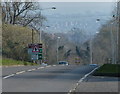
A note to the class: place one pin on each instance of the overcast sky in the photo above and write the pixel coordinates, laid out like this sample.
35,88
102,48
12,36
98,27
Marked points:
76,14
78,7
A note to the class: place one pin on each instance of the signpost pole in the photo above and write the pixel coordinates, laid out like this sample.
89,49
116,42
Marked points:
32,37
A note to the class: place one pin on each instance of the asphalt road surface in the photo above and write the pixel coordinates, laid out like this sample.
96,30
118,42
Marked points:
51,78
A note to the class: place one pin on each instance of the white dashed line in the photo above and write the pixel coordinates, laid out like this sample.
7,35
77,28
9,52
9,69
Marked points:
29,70
40,68
8,76
77,84
70,91
74,89
20,72
48,66
25,71
33,69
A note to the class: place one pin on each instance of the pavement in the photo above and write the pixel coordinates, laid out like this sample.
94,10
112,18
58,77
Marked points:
51,78
98,84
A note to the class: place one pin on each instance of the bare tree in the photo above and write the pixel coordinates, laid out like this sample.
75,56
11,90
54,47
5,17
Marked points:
77,35
23,13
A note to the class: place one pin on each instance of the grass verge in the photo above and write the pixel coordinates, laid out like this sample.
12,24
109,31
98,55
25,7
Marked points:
108,70
11,62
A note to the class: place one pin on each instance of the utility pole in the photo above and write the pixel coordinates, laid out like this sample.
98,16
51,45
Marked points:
32,36
118,19
57,49
91,51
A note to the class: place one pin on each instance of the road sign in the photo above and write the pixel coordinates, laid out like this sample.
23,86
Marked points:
33,45
40,56
40,50
35,50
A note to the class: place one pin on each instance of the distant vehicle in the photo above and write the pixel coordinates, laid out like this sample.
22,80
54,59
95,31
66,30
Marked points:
44,64
93,64
63,63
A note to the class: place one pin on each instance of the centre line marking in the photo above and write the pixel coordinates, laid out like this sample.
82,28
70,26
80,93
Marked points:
29,70
33,69
20,72
40,68
48,66
8,76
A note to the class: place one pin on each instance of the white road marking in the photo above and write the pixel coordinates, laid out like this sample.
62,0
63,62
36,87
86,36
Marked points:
77,84
23,72
48,66
82,80
20,72
33,69
29,70
40,68
87,75
8,76
74,89
70,91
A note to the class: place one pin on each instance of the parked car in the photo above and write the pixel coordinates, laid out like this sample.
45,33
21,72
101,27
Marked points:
63,63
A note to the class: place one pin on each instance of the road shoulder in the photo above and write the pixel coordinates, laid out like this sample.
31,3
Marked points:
98,84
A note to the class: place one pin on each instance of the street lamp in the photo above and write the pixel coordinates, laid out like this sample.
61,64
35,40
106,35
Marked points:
57,48
91,48
112,42
40,32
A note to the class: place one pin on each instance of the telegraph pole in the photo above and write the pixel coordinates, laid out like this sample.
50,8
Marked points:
118,20
32,36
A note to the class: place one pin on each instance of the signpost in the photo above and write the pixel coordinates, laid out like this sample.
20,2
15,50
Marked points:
35,50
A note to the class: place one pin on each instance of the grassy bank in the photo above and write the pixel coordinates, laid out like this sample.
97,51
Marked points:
108,70
11,62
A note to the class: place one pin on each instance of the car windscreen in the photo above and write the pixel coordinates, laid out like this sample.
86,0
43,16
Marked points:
62,63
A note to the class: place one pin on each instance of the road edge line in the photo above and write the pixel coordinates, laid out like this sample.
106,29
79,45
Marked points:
85,76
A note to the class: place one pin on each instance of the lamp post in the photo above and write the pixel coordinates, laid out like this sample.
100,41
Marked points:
40,32
32,36
57,48
118,36
112,41
91,48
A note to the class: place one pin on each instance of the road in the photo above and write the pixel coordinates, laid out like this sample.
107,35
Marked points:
51,78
